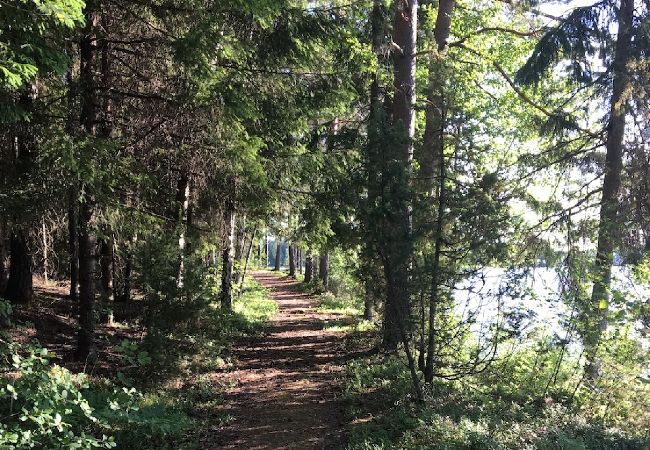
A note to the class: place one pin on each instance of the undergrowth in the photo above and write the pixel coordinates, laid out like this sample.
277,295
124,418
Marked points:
512,405
148,405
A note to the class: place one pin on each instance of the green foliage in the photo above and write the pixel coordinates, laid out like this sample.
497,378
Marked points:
576,38
30,38
329,303
531,399
44,405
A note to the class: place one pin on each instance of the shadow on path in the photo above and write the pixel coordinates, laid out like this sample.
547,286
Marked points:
285,391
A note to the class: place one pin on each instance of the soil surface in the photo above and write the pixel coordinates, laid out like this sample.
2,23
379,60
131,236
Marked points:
285,391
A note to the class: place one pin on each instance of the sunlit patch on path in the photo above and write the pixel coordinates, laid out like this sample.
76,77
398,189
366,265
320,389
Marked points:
285,392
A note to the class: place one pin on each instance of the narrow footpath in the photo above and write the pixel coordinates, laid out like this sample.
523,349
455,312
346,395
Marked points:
285,390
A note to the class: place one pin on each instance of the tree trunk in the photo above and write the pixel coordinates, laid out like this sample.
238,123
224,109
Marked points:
309,268
266,251
128,265
278,247
87,244
227,260
292,261
45,244
4,273
240,248
73,247
298,262
19,286
369,304
435,160
376,122
596,315
183,202
89,118
435,277
106,274
434,112
248,257
324,270
398,235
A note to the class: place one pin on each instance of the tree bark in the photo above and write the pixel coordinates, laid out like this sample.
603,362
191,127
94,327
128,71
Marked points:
369,304
324,270
309,268
183,202
128,267
45,243
596,316
376,122
106,274
248,257
299,259
4,273
434,160
73,247
19,286
292,261
227,260
266,251
240,247
278,247
87,243
89,118
398,235
435,277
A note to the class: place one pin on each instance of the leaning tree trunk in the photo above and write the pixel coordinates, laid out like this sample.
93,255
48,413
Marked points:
227,259
247,260
19,286
89,118
596,315
398,233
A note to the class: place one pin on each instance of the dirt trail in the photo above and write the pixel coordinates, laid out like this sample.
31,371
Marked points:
285,392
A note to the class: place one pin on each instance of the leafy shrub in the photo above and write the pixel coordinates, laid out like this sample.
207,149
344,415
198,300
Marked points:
526,401
45,406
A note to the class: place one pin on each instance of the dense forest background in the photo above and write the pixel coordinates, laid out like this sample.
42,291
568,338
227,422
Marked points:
466,182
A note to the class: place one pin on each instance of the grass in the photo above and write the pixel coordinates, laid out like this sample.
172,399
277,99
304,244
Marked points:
349,325
254,303
339,305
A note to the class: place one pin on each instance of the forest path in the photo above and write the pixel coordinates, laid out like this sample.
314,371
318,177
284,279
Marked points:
285,390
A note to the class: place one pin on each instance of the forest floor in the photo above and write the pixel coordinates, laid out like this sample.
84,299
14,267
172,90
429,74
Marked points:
284,390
